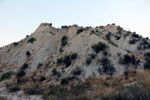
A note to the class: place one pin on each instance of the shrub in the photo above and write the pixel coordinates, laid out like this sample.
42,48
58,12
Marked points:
128,59
59,60
108,36
132,41
67,60
77,71
42,78
107,68
15,43
88,61
79,31
64,26
64,41
92,56
28,53
6,76
20,74
13,88
135,35
54,71
99,47
117,37
64,81
112,43
32,40
24,66
147,65
74,56
39,65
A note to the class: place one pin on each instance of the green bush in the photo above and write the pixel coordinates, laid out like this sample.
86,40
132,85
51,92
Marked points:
31,40
99,47
6,76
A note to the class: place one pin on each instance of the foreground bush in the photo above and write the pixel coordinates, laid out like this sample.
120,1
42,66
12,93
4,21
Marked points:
6,76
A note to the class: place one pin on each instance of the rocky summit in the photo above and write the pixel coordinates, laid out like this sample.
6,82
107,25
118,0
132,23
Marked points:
76,63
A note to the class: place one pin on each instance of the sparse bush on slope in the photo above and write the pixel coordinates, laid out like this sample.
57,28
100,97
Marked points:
64,41
99,47
32,40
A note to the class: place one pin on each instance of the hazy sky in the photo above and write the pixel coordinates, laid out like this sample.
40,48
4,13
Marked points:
21,17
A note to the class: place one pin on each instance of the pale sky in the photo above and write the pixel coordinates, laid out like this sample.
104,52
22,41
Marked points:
19,18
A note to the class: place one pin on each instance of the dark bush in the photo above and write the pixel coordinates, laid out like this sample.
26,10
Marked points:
132,41
147,65
6,76
24,67
88,61
79,31
16,43
128,59
20,74
117,37
108,35
54,71
99,47
64,26
74,56
64,41
64,81
61,50
77,71
13,88
32,40
135,35
28,53
67,60
92,56
39,65
108,67
42,78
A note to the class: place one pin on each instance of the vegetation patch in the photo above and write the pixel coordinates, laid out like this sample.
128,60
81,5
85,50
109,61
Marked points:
99,47
64,41
112,43
67,60
6,76
32,40
108,67
129,60
79,31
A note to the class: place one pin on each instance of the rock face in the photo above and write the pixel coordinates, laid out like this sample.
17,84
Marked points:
75,52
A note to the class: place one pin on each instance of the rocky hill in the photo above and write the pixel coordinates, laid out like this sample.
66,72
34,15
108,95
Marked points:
55,57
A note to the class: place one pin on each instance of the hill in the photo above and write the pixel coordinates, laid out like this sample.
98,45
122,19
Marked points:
75,63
